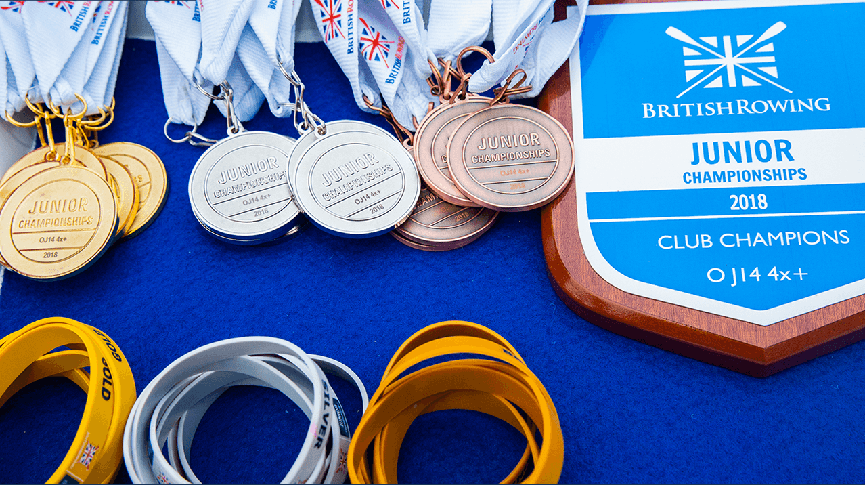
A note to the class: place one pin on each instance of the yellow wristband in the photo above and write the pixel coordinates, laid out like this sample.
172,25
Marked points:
502,386
25,356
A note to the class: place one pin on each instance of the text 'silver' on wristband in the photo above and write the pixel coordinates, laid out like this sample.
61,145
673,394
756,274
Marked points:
498,383
173,404
26,356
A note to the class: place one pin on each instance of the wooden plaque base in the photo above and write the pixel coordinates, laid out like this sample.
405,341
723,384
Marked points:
734,344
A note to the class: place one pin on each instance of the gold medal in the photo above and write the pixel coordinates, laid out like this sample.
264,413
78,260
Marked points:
125,191
60,221
82,156
58,205
150,177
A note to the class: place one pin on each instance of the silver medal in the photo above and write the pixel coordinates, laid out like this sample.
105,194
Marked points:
355,181
239,191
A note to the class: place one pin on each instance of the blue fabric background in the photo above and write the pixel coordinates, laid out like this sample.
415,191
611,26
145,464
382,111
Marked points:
629,412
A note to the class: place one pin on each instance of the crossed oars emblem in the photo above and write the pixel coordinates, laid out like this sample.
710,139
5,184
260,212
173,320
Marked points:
727,59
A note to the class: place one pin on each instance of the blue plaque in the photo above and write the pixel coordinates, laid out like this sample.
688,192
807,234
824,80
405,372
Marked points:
720,153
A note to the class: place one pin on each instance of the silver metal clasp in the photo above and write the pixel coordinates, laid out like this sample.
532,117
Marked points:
305,120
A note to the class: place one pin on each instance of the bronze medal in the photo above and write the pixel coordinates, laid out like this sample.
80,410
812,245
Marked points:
511,157
437,225
431,143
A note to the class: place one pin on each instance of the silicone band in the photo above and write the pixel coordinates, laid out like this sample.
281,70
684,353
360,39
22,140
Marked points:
173,404
25,356
503,387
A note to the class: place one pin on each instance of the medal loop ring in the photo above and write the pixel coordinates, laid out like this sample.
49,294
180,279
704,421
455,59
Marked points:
435,87
38,114
218,97
405,136
45,115
86,129
68,123
234,125
506,90
226,93
192,136
462,90
311,121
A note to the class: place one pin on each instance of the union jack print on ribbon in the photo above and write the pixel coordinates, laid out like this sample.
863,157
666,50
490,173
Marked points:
177,2
64,5
12,6
331,16
389,3
373,45
88,454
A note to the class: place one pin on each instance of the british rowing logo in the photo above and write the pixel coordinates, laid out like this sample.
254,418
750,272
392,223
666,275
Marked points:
729,61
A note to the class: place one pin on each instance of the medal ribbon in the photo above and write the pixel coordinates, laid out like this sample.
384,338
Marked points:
393,43
84,60
526,38
266,41
20,72
5,87
390,37
339,27
177,31
222,23
103,58
62,49
457,24
54,31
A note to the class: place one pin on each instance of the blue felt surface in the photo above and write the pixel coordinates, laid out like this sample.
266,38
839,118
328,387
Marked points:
629,412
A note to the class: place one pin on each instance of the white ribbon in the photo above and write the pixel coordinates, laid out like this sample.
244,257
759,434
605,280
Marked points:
20,71
222,22
457,24
62,49
247,96
103,78
338,25
83,60
526,38
390,37
196,47
103,57
3,79
53,31
177,31
393,44
267,40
